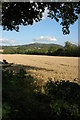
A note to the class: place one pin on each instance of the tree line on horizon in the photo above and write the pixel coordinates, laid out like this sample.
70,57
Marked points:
68,50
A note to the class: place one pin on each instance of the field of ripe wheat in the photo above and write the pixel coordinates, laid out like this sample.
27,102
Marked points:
45,67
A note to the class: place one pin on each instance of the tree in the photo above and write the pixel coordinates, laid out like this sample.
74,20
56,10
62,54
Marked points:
25,13
71,49
68,44
52,50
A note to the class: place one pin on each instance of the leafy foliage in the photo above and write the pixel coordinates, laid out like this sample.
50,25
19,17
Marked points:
9,50
25,13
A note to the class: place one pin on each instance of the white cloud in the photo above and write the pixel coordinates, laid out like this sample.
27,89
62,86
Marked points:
7,41
45,39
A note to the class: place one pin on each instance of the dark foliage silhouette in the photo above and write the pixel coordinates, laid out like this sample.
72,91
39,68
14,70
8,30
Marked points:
24,99
25,13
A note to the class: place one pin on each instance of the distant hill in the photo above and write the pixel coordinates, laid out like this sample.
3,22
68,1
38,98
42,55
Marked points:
34,48
33,45
43,49
38,45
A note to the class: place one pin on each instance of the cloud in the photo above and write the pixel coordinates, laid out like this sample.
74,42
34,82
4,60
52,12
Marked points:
7,41
45,39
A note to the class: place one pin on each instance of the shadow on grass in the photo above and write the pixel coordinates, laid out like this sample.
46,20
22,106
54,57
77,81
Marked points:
17,67
24,99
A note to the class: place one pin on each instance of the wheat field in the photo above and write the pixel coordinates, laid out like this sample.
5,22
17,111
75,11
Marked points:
46,67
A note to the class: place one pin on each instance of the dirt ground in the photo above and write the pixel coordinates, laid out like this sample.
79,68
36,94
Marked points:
45,67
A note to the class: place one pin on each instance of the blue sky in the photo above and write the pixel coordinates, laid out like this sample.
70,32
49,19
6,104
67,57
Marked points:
45,31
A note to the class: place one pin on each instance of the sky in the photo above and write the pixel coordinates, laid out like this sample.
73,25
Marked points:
45,31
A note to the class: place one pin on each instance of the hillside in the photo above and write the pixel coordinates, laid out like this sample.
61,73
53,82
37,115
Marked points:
39,45
35,48
33,45
44,49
